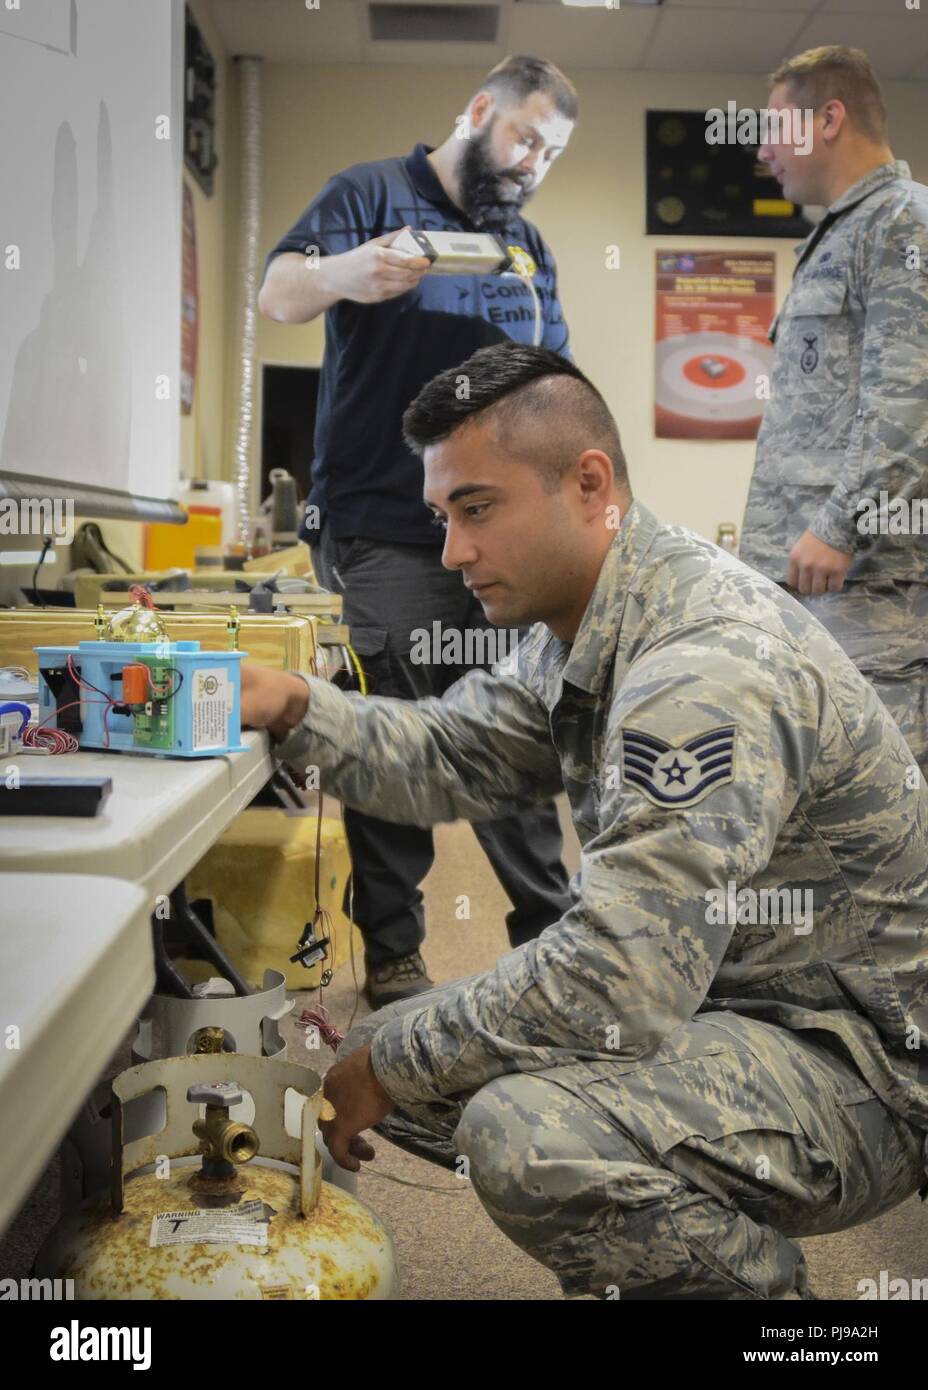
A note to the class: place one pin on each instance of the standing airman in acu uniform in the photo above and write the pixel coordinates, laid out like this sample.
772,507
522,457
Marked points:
838,506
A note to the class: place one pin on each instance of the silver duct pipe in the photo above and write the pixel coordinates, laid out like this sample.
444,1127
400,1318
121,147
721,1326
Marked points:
250,84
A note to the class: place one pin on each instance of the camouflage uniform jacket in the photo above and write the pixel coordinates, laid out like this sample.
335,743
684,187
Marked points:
848,414
711,738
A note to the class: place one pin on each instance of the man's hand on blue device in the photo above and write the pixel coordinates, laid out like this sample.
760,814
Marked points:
272,700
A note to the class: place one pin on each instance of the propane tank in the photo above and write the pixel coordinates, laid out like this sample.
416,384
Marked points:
237,1224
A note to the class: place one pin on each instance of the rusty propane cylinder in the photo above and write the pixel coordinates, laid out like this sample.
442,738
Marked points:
223,1206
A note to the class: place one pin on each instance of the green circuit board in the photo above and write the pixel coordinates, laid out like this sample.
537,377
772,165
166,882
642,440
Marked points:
154,728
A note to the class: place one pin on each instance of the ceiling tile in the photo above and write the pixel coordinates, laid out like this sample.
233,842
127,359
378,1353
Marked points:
799,7
680,35
433,55
283,32
893,43
686,41
575,37
883,8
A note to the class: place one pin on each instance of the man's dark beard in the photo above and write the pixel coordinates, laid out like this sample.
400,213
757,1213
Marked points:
491,205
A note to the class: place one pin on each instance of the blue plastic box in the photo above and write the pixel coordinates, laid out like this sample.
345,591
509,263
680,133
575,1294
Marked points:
193,709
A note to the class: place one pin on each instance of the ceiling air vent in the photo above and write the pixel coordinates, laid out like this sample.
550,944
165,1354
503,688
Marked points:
434,23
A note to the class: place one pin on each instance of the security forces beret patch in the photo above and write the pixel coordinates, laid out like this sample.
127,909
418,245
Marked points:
678,775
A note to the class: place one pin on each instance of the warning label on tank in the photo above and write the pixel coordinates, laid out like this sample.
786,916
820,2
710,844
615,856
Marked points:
222,1227
212,705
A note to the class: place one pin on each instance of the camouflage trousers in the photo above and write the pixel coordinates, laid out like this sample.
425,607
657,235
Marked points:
885,633
682,1176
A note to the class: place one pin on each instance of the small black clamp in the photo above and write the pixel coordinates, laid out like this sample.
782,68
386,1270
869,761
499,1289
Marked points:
312,950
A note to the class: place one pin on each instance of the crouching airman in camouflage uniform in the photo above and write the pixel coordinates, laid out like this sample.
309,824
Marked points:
838,506
673,1080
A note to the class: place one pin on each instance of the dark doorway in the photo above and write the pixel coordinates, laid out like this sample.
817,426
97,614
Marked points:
288,420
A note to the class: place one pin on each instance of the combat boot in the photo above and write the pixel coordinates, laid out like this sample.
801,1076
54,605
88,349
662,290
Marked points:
392,980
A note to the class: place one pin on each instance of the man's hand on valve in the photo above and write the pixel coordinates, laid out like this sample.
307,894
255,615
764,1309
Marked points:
359,1101
272,700
816,568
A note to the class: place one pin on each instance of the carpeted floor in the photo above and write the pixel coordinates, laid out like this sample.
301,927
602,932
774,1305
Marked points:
447,1248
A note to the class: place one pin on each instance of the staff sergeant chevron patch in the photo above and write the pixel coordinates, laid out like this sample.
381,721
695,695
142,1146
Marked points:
678,776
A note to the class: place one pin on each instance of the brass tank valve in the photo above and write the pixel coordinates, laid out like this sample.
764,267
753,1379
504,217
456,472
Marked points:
224,1144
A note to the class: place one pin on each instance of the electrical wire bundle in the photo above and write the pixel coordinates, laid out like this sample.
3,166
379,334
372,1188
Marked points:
14,673
319,1018
39,740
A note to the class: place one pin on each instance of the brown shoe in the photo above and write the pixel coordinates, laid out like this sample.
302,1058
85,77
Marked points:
396,979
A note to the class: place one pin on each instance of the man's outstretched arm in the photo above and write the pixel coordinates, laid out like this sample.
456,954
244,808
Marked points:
483,750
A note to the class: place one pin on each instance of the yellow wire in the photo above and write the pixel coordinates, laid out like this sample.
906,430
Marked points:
362,679
362,683
358,668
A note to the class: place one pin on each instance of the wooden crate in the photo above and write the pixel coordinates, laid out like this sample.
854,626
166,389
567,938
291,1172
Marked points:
282,641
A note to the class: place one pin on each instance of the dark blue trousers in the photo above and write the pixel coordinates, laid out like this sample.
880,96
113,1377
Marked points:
388,592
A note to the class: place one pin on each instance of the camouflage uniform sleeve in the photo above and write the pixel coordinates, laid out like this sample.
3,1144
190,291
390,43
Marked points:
635,955
889,446
483,750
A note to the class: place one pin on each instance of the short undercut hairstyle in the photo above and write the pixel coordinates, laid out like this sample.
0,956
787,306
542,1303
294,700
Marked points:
541,407
837,72
515,79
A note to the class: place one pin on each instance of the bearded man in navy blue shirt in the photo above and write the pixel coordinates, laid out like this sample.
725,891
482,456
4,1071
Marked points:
389,328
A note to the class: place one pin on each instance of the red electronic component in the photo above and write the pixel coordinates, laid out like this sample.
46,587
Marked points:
135,684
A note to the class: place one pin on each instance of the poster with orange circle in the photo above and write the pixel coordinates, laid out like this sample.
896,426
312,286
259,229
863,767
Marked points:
713,358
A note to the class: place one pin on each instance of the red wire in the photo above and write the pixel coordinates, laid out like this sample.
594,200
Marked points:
55,740
85,685
60,741
319,1018
162,694
69,705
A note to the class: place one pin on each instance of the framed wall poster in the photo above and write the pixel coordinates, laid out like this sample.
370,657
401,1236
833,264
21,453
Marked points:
712,358
698,188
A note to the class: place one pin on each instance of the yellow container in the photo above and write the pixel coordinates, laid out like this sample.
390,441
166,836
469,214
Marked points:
259,876
170,546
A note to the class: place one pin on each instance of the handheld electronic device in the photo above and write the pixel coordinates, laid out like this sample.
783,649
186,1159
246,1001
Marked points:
455,253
